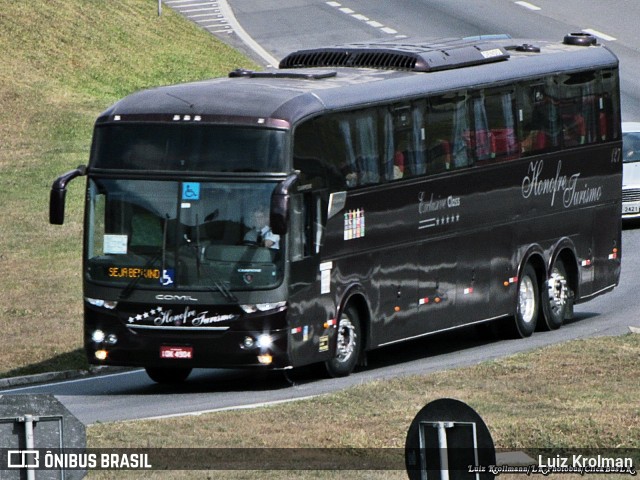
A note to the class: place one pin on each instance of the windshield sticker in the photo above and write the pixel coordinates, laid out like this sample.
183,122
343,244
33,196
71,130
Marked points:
168,277
115,244
325,277
191,191
354,224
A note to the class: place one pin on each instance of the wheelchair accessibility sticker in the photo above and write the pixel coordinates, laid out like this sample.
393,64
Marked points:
191,191
168,277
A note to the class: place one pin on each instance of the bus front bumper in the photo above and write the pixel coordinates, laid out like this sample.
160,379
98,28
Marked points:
112,343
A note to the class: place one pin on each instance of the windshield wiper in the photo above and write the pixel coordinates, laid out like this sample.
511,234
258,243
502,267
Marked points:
128,290
224,290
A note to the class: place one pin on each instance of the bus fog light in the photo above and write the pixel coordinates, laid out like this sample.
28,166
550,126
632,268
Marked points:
248,342
98,336
101,354
264,341
111,339
265,359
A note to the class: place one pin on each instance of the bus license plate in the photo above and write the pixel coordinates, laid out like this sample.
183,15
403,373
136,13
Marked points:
176,353
633,208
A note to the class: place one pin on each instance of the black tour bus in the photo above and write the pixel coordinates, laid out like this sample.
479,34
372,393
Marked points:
355,197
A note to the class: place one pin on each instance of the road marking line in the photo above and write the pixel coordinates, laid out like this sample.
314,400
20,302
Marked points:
528,6
89,377
195,5
598,34
363,18
172,2
224,409
214,24
208,9
245,37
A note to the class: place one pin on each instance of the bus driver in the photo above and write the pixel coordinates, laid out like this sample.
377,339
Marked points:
260,233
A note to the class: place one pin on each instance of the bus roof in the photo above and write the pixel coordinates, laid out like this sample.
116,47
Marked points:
283,97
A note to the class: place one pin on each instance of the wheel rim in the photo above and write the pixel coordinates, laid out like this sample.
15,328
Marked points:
558,291
527,300
346,339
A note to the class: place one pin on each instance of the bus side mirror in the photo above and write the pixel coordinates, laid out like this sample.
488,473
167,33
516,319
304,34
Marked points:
59,193
280,201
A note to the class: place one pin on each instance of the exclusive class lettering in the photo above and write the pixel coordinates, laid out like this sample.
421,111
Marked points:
434,204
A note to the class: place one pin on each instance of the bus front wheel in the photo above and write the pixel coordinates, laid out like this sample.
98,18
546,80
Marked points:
528,303
348,344
168,375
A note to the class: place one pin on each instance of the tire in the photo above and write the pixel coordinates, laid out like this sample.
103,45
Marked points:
528,303
168,375
348,344
555,298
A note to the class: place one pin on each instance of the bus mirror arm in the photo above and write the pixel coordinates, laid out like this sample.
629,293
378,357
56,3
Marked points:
279,214
59,192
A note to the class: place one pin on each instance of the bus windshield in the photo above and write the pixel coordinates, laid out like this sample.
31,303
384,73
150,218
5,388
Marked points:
188,147
182,235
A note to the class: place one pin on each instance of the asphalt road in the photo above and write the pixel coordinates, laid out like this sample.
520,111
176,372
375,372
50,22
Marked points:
272,29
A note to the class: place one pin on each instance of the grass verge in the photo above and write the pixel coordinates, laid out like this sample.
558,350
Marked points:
578,395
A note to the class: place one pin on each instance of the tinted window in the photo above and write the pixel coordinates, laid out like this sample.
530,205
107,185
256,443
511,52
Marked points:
208,148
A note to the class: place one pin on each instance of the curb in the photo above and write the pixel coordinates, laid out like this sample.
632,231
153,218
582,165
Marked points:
39,378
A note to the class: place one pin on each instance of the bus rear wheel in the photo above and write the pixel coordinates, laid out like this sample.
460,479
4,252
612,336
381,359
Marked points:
348,344
556,297
527,308
168,375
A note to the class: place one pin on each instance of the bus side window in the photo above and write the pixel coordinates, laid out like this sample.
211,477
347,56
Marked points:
608,117
578,108
494,134
537,119
307,225
405,140
298,241
447,135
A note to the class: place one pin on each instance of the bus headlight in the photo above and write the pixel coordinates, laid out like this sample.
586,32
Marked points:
98,336
98,302
262,307
264,341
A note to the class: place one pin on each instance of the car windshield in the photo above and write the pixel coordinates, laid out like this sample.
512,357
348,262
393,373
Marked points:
631,147
182,235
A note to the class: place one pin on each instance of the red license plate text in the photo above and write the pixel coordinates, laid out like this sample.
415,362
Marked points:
176,353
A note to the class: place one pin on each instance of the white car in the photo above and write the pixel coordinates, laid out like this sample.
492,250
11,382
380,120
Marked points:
630,170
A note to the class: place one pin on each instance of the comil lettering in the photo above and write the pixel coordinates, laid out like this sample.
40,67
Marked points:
533,185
